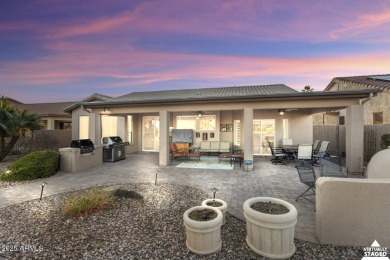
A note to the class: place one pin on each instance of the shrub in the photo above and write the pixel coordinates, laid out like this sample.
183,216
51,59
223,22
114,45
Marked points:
385,141
32,166
94,200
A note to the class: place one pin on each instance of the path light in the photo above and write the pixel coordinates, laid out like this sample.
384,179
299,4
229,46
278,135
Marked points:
214,190
155,182
42,186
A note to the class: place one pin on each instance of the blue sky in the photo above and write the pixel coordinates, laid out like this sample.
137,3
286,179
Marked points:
66,50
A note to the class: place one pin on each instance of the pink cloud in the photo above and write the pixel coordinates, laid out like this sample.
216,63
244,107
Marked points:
126,67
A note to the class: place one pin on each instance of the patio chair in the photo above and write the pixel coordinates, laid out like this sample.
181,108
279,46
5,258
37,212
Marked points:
176,154
321,154
277,153
305,152
308,177
316,146
193,154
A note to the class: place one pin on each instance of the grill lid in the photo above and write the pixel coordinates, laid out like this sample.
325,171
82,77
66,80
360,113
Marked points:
81,143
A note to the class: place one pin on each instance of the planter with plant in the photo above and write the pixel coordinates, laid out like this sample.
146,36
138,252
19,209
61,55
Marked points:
219,204
203,229
385,141
270,227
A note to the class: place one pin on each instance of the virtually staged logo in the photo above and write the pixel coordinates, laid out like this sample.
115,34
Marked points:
375,252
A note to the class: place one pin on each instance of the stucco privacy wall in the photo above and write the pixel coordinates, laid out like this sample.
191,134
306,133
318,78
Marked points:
352,212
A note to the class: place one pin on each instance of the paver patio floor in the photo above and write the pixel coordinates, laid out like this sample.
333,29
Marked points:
235,186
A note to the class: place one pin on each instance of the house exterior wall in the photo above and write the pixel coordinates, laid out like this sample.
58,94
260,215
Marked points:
301,128
379,103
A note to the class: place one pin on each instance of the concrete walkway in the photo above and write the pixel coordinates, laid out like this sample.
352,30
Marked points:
235,186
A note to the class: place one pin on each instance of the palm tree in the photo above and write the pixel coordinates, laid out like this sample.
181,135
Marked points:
13,124
307,88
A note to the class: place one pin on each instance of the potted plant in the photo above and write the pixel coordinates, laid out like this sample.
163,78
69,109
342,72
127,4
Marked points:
385,141
203,229
270,227
219,204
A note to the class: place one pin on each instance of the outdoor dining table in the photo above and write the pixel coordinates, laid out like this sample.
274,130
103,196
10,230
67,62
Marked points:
291,151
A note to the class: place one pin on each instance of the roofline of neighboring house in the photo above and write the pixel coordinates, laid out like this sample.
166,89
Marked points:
289,96
54,115
345,80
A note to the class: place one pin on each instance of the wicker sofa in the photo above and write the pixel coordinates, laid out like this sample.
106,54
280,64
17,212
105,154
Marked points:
214,147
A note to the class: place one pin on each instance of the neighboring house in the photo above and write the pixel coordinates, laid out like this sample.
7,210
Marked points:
245,116
52,115
376,110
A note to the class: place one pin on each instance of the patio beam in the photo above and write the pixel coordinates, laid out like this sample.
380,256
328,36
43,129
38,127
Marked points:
164,139
354,136
248,137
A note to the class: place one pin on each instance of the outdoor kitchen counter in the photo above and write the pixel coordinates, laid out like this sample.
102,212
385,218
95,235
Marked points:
71,160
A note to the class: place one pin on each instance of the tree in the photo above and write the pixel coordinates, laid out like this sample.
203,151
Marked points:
13,124
307,88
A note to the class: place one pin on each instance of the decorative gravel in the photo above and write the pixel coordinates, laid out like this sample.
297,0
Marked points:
132,228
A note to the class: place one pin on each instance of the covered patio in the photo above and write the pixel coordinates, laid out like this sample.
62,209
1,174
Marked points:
146,119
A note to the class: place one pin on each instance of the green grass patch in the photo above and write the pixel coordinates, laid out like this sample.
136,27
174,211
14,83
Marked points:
33,166
94,200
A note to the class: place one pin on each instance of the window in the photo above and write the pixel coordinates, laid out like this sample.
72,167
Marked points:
64,125
377,118
130,129
205,122
237,132
109,126
83,127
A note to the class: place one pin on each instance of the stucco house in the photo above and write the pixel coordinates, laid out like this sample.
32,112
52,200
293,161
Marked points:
376,110
52,115
245,116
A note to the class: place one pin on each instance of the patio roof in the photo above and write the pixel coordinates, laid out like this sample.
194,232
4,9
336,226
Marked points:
279,92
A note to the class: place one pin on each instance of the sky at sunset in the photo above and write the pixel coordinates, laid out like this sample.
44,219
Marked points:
52,51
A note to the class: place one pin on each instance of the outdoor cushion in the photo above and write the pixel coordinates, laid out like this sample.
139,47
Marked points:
224,147
214,146
204,146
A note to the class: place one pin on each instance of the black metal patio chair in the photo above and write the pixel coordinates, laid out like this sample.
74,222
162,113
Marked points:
308,177
278,155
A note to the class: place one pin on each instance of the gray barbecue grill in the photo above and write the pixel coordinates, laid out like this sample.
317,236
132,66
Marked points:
85,145
114,149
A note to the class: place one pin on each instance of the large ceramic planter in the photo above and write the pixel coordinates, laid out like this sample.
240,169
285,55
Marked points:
269,235
222,208
203,237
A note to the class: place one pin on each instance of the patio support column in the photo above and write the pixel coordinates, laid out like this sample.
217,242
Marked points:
354,135
164,139
248,136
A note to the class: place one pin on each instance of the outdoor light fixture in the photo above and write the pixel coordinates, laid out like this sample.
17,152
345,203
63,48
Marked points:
281,112
214,190
155,182
42,186
200,114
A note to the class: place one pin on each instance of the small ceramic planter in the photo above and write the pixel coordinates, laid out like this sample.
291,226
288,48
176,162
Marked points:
271,236
203,237
222,208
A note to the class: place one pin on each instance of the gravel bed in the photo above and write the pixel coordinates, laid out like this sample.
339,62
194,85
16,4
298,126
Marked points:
148,228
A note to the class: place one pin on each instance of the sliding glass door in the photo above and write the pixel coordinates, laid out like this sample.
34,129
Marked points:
263,130
151,133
